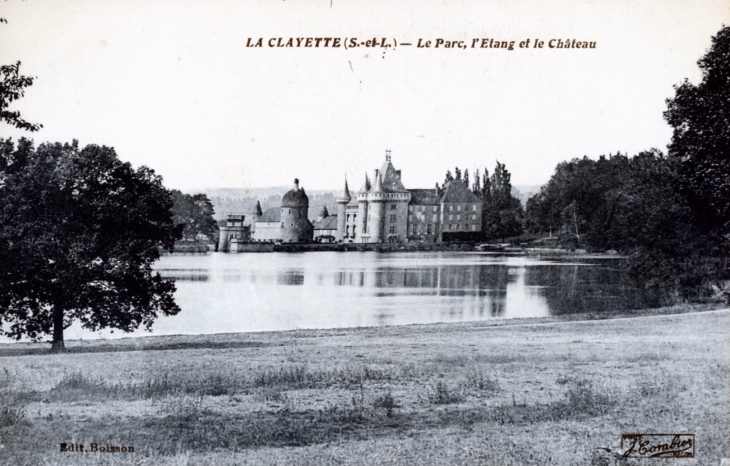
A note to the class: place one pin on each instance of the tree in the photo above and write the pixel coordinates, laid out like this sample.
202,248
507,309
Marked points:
502,213
449,177
79,231
700,115
477,187
12,88
194,213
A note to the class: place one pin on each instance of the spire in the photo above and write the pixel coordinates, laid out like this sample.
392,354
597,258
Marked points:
378,188
258,211
365,187
387,155
323,213
345,196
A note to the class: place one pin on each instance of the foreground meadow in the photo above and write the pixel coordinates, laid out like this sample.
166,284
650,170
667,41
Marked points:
515,393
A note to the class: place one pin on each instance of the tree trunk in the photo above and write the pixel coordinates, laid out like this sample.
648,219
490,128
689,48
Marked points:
58,346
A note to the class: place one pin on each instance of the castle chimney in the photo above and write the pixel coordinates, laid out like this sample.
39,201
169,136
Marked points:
296,183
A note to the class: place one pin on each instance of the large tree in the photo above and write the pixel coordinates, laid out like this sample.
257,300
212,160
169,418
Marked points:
700,115
79,231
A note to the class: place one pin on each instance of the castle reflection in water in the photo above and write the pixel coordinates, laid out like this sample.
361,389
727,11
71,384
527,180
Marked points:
280,291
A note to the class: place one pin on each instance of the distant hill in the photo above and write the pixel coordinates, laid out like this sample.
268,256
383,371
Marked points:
239,200
524,191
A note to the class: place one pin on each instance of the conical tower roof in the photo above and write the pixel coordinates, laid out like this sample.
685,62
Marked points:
257,210
378,187
345,196
323,213
366,187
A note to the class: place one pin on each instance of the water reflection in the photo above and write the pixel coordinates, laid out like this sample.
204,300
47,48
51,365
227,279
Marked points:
279,291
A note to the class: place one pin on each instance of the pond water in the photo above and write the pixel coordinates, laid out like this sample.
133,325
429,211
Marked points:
249,292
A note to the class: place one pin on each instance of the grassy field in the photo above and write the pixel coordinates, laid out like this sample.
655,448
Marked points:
515,393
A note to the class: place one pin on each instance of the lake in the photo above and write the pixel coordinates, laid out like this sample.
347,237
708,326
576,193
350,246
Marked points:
251,292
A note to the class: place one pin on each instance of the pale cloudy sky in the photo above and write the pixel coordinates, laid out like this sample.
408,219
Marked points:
171,84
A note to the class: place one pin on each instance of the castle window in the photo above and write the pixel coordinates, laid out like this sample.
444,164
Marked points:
451,217
474,208
289,210
434,208
435,217
474,217
473,228
458,217
451,208
428,229
458,207
458,226
392,219
391,229
392,207
410,207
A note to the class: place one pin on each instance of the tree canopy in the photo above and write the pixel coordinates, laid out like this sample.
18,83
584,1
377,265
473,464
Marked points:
700,116
194,213
12,88
79,231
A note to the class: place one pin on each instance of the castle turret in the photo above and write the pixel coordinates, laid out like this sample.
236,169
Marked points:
376,207
255,216
342,201
296,227
362,211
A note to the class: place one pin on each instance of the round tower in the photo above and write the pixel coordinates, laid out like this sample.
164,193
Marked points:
376,207
342,201
255,216
362,211
295,226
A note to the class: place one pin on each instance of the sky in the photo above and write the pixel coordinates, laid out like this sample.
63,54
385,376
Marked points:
173,85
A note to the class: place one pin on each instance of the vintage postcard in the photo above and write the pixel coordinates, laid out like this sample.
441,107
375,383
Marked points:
365,232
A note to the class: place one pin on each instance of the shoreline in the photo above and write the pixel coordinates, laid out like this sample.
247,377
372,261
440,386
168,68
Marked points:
217,340
497,249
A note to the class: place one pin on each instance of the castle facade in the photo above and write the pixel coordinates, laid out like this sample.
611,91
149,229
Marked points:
385,211
381,211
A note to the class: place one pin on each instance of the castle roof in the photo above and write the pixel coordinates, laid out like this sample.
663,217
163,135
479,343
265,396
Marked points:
327,223
271,215
323,212
390,178
365,187
345,196
424,196
378,186
295,197
457,192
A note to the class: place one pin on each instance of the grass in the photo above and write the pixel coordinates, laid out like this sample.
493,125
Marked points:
553,393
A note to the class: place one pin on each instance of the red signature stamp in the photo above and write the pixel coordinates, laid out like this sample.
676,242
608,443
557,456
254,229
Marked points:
658,445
